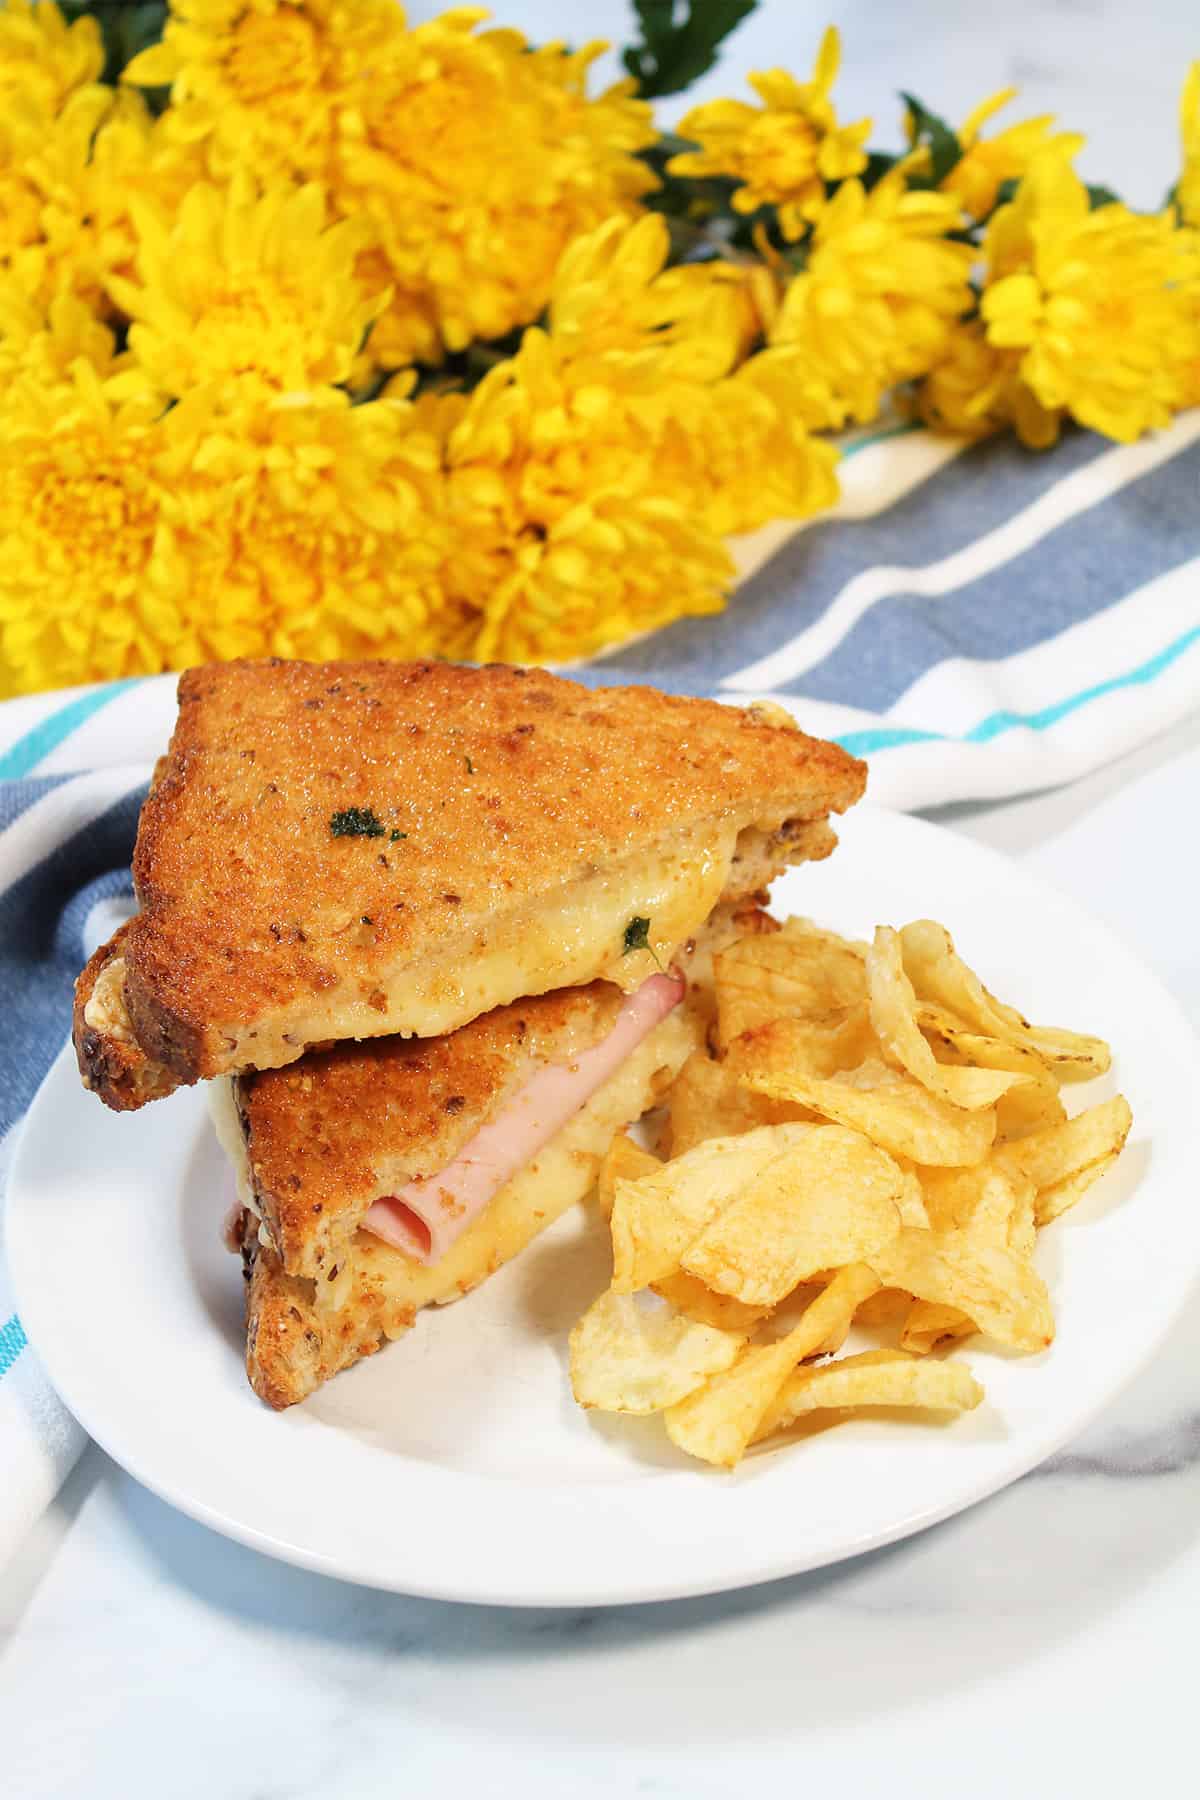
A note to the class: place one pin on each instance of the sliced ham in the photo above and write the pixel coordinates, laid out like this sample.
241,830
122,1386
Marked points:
426,1217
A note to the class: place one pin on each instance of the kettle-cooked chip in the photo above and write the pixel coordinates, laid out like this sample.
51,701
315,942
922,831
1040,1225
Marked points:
829,1200
822,1044
655,1219
874,1378
633,1356
718,1420
691,1298
929,1325
875,1149
707,1101
980,1204
624,1161
1001,1292
1034,1106
895,1112
939,974
893,1006
953,1041
1064,1161
799,971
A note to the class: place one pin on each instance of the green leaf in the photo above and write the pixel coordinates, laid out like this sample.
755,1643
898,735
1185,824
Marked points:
878,164
1101,196
127,28
637,937
941,142
679,41
356,821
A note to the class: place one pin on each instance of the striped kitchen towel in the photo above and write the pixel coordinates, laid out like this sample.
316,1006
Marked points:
976,619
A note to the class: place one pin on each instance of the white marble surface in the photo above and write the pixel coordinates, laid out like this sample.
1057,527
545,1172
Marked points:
1040,1644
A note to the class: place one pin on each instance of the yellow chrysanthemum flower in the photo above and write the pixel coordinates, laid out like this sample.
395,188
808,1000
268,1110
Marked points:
133,540
783,152
880,292
44,343
976,389
563,539
987,162
237,285
259,83
66,186
42,58
478,160
406,330
80,501
1095,302
1187,193
328,518
612,291
742,454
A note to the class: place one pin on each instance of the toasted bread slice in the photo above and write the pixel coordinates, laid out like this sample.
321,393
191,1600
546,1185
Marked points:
344,850
302,1329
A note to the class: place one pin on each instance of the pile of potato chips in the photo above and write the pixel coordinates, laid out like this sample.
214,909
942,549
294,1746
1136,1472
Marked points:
875,1143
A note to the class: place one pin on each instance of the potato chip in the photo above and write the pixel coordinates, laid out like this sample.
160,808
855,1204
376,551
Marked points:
799,971
717,1421
876,1148
656,1218
707,1100
828,1201
1034,1106
874,1378
895,1112
691,1298
939,974
1061,1196
631,1356
1063,1162
884,1310
929,1325
893,1009
1001,1292
822,1045
624,1161
911,1202
979,1203
982,1200
953,1041
1022,1227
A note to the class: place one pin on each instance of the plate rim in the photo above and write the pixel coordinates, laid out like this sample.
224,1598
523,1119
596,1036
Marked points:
771,1565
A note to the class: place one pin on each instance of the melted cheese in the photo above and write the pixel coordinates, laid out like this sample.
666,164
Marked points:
564,940
105,1010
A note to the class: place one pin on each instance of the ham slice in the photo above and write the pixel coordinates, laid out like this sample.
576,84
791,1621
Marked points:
426,1217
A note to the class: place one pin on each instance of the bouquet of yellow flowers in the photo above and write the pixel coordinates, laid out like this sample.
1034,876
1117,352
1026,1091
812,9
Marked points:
324,335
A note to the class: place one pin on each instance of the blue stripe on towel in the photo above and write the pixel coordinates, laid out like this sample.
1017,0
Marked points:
1086,565
885,737
50,732
12,1342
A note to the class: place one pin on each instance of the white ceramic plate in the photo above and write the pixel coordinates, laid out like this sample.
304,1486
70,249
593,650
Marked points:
455,1464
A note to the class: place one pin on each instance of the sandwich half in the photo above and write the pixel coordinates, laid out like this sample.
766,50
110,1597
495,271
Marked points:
365,850
375,1179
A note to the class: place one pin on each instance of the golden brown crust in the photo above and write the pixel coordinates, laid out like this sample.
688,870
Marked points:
290,1348
500,783
115,1067
328,1134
